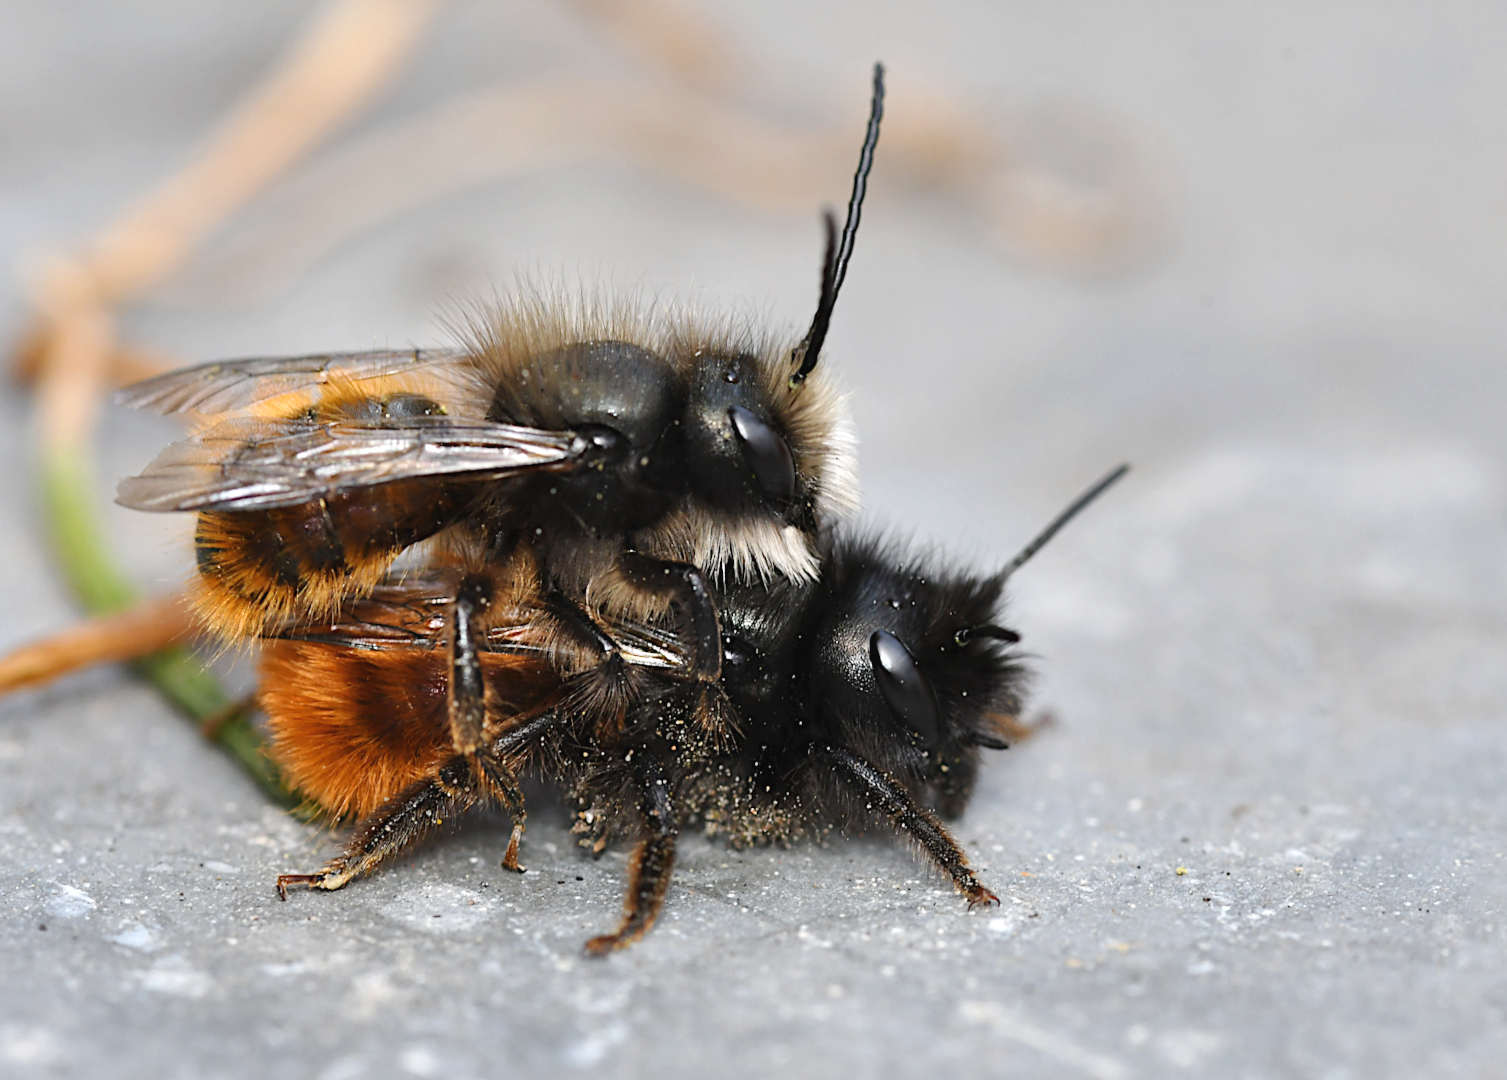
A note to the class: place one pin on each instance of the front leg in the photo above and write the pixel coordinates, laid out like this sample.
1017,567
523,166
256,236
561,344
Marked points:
602,691
649,869
882,792
685,587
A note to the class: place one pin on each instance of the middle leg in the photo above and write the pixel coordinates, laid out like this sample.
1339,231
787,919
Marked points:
649,869
468,709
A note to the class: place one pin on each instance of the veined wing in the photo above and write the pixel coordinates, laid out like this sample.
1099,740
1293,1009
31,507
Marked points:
411,613
287,385
262,464
400,613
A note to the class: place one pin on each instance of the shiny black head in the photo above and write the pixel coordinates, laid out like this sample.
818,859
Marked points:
738,451
909,668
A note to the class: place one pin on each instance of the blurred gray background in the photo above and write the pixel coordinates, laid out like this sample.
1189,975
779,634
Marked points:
1263,837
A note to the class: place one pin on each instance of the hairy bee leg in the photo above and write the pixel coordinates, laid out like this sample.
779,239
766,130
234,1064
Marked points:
574,620
467,691
468,712
408,816
685,587
907,816
648,871
499,779
403,820
604,690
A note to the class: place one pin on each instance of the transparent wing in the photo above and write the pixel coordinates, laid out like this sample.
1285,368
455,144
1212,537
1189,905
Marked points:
406,613
411,613
289,384
262,464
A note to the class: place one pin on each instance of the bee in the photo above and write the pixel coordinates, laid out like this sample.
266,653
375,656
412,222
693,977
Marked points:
632,455
861,699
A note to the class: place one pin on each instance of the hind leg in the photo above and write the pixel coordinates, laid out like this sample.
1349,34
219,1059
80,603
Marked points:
402,820
479,771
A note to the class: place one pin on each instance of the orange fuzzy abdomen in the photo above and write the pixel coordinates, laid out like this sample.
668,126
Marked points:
350,728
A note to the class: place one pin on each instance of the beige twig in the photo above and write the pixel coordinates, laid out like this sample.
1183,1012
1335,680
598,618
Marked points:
344,57
674,37
348,54
128,635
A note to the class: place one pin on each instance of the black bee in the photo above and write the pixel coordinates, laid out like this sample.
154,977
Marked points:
862,698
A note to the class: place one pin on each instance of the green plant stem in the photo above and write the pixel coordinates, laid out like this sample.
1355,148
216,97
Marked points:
68,491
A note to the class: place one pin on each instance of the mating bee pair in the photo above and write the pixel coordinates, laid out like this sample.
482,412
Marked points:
624,571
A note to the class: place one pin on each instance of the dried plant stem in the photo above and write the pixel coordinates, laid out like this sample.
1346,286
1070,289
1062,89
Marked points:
345,55
126,635
69,494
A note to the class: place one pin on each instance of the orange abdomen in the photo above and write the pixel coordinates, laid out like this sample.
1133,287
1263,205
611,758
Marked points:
352,727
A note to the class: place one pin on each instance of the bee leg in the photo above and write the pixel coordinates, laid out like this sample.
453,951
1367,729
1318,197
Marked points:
649,869
401,821
468,711
686,587
905,815
503,786
603,691
460,784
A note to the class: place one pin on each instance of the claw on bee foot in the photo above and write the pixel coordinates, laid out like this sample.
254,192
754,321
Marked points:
604,945
978,896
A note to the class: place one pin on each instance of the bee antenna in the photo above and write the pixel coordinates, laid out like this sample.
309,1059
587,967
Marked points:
1059,521
835,262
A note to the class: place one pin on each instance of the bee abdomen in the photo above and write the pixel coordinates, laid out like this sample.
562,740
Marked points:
350,728
260,570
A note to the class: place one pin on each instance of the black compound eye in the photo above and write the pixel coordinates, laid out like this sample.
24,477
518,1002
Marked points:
766,453
905,688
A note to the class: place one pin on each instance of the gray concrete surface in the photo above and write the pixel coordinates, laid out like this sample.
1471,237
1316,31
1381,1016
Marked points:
1264,837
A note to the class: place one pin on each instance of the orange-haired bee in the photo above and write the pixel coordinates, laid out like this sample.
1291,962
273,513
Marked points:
633,586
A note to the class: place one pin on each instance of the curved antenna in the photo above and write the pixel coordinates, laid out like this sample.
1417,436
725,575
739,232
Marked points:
835,263
1058,522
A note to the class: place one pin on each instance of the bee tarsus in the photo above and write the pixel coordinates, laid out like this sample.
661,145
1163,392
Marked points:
649,867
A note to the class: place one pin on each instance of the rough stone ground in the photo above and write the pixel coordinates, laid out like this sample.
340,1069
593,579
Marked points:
1264,837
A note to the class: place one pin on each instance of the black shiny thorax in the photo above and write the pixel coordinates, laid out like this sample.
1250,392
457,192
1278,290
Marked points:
627,402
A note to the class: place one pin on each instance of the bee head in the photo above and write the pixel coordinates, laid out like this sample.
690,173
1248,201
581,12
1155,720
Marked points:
746,450
911,670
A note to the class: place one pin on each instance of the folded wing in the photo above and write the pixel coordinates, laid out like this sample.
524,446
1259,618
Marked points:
284,385
261,464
